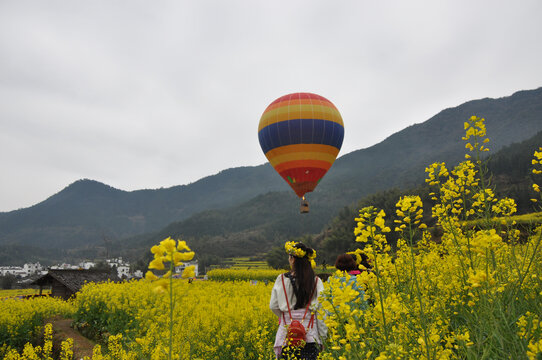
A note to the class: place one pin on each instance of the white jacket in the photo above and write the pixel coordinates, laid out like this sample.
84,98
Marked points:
278,305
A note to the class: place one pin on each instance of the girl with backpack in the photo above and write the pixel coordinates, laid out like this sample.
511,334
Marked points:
294,299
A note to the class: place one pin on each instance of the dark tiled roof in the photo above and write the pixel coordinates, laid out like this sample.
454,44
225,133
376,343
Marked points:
75,279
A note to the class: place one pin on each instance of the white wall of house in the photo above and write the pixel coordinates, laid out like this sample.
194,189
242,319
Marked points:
87,265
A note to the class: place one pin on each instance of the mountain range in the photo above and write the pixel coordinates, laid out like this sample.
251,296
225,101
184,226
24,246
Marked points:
244,210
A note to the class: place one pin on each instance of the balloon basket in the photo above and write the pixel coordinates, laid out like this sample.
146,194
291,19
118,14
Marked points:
304,208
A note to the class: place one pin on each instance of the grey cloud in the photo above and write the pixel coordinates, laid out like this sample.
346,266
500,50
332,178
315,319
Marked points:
144,95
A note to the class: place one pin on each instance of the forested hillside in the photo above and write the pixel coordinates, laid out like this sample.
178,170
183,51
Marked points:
258,225
509,173
399,160
241,209
88,211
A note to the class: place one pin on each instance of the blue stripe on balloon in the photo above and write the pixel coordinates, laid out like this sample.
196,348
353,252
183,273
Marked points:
319,132
294,132
301,131
262,139
338,136
307,133
282,128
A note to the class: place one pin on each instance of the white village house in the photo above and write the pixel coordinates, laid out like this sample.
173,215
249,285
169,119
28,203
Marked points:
123,268
22,271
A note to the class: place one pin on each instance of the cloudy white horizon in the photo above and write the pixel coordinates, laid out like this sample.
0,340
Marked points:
143,95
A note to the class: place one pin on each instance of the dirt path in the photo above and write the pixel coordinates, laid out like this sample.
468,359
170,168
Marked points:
62,330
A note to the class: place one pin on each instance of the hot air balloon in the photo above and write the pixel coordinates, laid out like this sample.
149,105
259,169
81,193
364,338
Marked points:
301,135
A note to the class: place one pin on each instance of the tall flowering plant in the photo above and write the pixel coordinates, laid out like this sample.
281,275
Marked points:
537,170
473,293
173,253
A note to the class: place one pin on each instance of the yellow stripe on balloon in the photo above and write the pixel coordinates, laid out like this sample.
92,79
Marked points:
300,156
302,151
300,112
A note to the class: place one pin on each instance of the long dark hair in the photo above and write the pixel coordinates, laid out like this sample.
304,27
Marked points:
304,277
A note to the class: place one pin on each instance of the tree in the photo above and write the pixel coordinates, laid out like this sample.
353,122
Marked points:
206,260
277,258
7,281
340,237
139,264
104,266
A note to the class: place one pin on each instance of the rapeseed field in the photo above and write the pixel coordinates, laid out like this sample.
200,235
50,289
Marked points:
475,292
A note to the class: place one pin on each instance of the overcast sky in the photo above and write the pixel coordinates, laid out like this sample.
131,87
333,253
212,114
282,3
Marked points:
150,94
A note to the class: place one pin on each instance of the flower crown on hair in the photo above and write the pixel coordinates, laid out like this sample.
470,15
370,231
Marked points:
356,255
291,249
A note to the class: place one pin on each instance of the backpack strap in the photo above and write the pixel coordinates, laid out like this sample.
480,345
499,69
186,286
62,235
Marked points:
310,298
311,321
286,296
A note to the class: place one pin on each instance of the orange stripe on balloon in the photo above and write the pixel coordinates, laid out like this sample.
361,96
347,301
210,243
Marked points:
290,149
294,102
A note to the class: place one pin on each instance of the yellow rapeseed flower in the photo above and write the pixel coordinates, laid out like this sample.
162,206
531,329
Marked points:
168,244
189,272
156,264
182,246
151,276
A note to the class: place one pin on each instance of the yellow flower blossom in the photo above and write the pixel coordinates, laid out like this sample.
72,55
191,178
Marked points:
168,244
182,246
189,272
156,264
151,276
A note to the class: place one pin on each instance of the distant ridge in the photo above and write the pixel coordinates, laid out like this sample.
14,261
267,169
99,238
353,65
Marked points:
400,159
88,211
397,162
88,215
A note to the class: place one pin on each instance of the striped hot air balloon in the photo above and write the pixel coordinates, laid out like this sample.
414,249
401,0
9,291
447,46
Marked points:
301,135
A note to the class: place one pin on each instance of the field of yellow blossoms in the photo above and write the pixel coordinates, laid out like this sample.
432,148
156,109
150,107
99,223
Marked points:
212,320
473,293
244,274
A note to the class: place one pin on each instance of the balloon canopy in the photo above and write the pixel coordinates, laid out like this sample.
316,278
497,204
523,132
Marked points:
301,135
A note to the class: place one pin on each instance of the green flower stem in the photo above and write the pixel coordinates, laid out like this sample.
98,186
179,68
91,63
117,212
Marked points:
455,235
379,287
482,171
469,252
171,303
418,291
460,253
520,282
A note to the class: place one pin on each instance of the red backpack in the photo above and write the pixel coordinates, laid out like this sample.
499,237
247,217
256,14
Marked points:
296,334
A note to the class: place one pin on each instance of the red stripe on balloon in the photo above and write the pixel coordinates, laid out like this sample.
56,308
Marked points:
300,96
